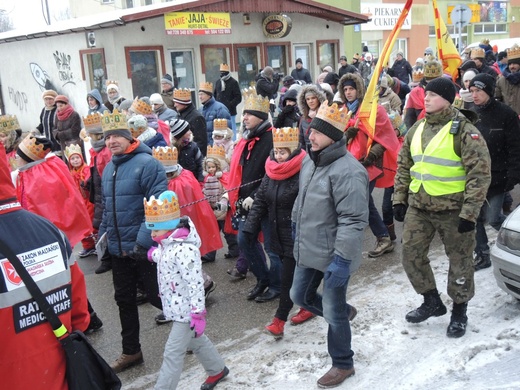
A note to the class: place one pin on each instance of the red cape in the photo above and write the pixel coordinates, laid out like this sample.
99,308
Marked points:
416,100
103,157
47,189
164,129
188,190
384,135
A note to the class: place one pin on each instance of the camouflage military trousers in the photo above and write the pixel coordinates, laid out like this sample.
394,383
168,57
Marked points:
419,229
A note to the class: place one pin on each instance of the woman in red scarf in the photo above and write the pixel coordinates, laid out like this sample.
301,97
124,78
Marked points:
275,198
68,125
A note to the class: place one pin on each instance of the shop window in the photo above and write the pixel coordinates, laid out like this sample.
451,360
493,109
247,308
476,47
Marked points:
327,53
211,57
277,56
183,71
303,51
247,62
144,66
93,69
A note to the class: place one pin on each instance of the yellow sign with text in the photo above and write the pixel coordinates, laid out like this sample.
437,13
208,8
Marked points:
197,23
475,13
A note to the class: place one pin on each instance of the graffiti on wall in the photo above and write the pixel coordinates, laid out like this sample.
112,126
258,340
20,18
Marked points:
64,69
41,77
19,98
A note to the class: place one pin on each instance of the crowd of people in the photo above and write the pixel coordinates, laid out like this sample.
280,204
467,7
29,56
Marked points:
164,180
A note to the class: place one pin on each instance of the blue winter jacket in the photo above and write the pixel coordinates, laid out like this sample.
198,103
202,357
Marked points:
127,180
214,110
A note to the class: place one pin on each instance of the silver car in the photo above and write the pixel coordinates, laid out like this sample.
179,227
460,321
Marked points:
505,255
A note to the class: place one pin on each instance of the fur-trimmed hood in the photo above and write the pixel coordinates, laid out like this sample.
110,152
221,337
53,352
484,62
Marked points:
360,86
302,104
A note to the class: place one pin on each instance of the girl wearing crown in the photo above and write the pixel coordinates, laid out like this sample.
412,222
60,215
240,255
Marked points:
81,174
214,187
181,287
275,199
223,136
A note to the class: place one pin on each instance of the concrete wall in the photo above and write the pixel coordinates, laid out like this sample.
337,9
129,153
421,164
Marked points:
54,62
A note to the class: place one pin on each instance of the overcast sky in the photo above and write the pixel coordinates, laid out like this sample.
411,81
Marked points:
30,11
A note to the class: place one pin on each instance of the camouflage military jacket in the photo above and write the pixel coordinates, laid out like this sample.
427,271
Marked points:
469,144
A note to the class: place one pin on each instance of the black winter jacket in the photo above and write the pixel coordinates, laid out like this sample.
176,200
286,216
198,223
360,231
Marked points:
191,158
402,70
197,125
253,168
275,198
500,127
230,97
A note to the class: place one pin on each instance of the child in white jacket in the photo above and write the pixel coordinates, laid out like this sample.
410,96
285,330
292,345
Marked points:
181,287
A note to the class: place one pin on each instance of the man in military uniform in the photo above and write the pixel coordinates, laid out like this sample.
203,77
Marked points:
442,179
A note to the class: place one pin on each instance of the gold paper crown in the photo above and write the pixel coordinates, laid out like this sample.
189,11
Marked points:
485,41
92,121
141,107
182,94
337,117
206,87
432,69
114,121
217,152
72,149
286,137
478,53
513,52
32,149
224,67
166,155
220,124
417,75
156,210
255,102
248,92
108,82
8,123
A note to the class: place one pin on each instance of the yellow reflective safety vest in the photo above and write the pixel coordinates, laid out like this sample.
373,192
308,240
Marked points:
438,168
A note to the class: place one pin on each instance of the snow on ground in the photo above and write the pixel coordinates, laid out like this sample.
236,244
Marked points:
389,352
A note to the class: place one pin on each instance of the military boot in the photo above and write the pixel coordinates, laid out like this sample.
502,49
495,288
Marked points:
432,307
459,320
383,245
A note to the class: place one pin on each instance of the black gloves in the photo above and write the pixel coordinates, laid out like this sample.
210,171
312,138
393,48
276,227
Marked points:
351,133
465,226
138,253
511,182
400,212
376,152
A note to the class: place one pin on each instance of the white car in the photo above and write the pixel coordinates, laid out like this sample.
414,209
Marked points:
505,255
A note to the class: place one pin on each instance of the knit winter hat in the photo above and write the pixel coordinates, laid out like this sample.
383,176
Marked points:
49,93
330,120
299,60
167,79
469,75
156,98
178,128
137,125
331,78
162,213
484,82
61,99
442,87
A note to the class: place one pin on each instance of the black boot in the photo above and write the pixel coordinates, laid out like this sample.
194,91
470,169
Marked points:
482,261
459,320
257,291
432,306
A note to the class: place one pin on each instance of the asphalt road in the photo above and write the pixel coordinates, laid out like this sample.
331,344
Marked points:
232,320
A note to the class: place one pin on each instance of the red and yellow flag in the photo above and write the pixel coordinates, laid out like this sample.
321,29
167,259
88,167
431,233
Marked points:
448,54
368,110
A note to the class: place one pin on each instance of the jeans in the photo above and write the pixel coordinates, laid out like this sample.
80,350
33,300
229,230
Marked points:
257,263
490,212
332,306
125,273
234,126
374,219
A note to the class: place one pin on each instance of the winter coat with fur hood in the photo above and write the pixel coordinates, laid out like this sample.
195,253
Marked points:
306,120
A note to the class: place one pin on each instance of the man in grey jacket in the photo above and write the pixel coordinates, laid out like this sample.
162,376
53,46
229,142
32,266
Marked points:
329,218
